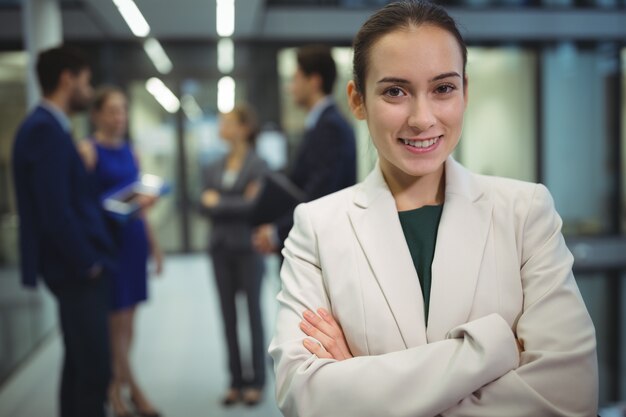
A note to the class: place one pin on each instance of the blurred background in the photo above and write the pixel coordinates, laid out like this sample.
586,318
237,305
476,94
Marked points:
547,104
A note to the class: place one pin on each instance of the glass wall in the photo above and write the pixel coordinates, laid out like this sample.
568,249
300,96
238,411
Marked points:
577,88
26,316
153,133
500,129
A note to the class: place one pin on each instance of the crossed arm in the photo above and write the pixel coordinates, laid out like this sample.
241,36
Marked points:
472,373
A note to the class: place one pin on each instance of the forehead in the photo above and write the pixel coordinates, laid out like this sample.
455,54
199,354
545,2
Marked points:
229,117
114,99
413,53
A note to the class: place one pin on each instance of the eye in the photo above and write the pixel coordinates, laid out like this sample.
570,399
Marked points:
445,88
394,92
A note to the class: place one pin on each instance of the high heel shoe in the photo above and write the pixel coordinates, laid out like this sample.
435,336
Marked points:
252,396
231,397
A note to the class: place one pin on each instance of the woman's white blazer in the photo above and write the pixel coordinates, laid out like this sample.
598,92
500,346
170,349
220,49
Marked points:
501,270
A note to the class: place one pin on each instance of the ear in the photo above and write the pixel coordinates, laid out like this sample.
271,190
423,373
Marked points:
66,78
356,101
315,79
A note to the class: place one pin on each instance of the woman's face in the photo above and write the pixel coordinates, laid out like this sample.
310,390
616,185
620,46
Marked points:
231,129
415,97
112,118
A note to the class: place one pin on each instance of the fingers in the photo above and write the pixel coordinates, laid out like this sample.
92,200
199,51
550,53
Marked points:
328,332
316,349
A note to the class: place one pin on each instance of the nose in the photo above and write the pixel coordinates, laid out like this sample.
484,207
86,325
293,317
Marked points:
422,116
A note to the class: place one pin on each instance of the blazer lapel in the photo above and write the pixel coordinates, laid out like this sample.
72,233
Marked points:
461,239
242,177
374,218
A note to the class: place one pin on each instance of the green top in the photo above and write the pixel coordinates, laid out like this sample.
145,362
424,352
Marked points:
420,231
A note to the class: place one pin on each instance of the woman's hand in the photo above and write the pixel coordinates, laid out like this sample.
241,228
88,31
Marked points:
251,191
145,201
88,154
210,198
327,331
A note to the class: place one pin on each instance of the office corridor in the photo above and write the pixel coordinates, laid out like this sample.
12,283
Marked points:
179,354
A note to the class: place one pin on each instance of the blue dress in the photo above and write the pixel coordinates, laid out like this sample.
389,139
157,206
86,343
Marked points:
115,169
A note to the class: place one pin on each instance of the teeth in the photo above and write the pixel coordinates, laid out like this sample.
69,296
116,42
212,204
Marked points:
420,143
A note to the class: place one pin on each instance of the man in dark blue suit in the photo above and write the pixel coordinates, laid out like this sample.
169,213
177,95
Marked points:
326,159
62,233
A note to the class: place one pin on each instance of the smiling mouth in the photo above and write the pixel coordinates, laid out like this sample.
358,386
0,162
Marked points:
424,143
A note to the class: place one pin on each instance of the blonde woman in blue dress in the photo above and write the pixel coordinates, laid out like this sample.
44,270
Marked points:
111,159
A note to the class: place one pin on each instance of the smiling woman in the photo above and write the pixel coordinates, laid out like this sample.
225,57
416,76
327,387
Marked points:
428,290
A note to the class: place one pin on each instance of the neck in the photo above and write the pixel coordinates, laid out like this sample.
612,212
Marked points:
60,100
412,192
107,138
239,150
315,99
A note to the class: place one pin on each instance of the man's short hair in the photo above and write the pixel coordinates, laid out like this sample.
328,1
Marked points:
52,62
317,59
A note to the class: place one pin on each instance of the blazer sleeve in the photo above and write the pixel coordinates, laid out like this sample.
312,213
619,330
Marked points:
420,381
558,374
51,190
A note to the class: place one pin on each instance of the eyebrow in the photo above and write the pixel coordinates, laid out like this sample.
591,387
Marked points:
397,80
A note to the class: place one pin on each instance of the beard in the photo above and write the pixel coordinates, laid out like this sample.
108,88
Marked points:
78,101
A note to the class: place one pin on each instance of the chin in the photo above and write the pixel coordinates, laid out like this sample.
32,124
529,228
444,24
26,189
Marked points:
422,168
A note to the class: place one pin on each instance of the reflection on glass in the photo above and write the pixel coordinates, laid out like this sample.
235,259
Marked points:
499,134
576,94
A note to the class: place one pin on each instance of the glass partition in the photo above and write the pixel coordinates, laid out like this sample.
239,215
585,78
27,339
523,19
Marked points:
153,134
500,129
578,86
26,316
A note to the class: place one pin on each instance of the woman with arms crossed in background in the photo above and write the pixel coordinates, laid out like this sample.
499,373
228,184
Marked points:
230,185
426,289
110,157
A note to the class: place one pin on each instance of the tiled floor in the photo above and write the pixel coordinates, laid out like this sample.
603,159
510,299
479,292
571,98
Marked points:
179,354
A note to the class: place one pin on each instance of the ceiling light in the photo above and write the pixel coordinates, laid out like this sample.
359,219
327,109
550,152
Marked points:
225,55
158,56
225,94
225,17
133,17
163,95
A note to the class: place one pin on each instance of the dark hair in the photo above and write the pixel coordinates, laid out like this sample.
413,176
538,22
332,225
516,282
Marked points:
52,62
102,94
394,16
246,115
317,59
